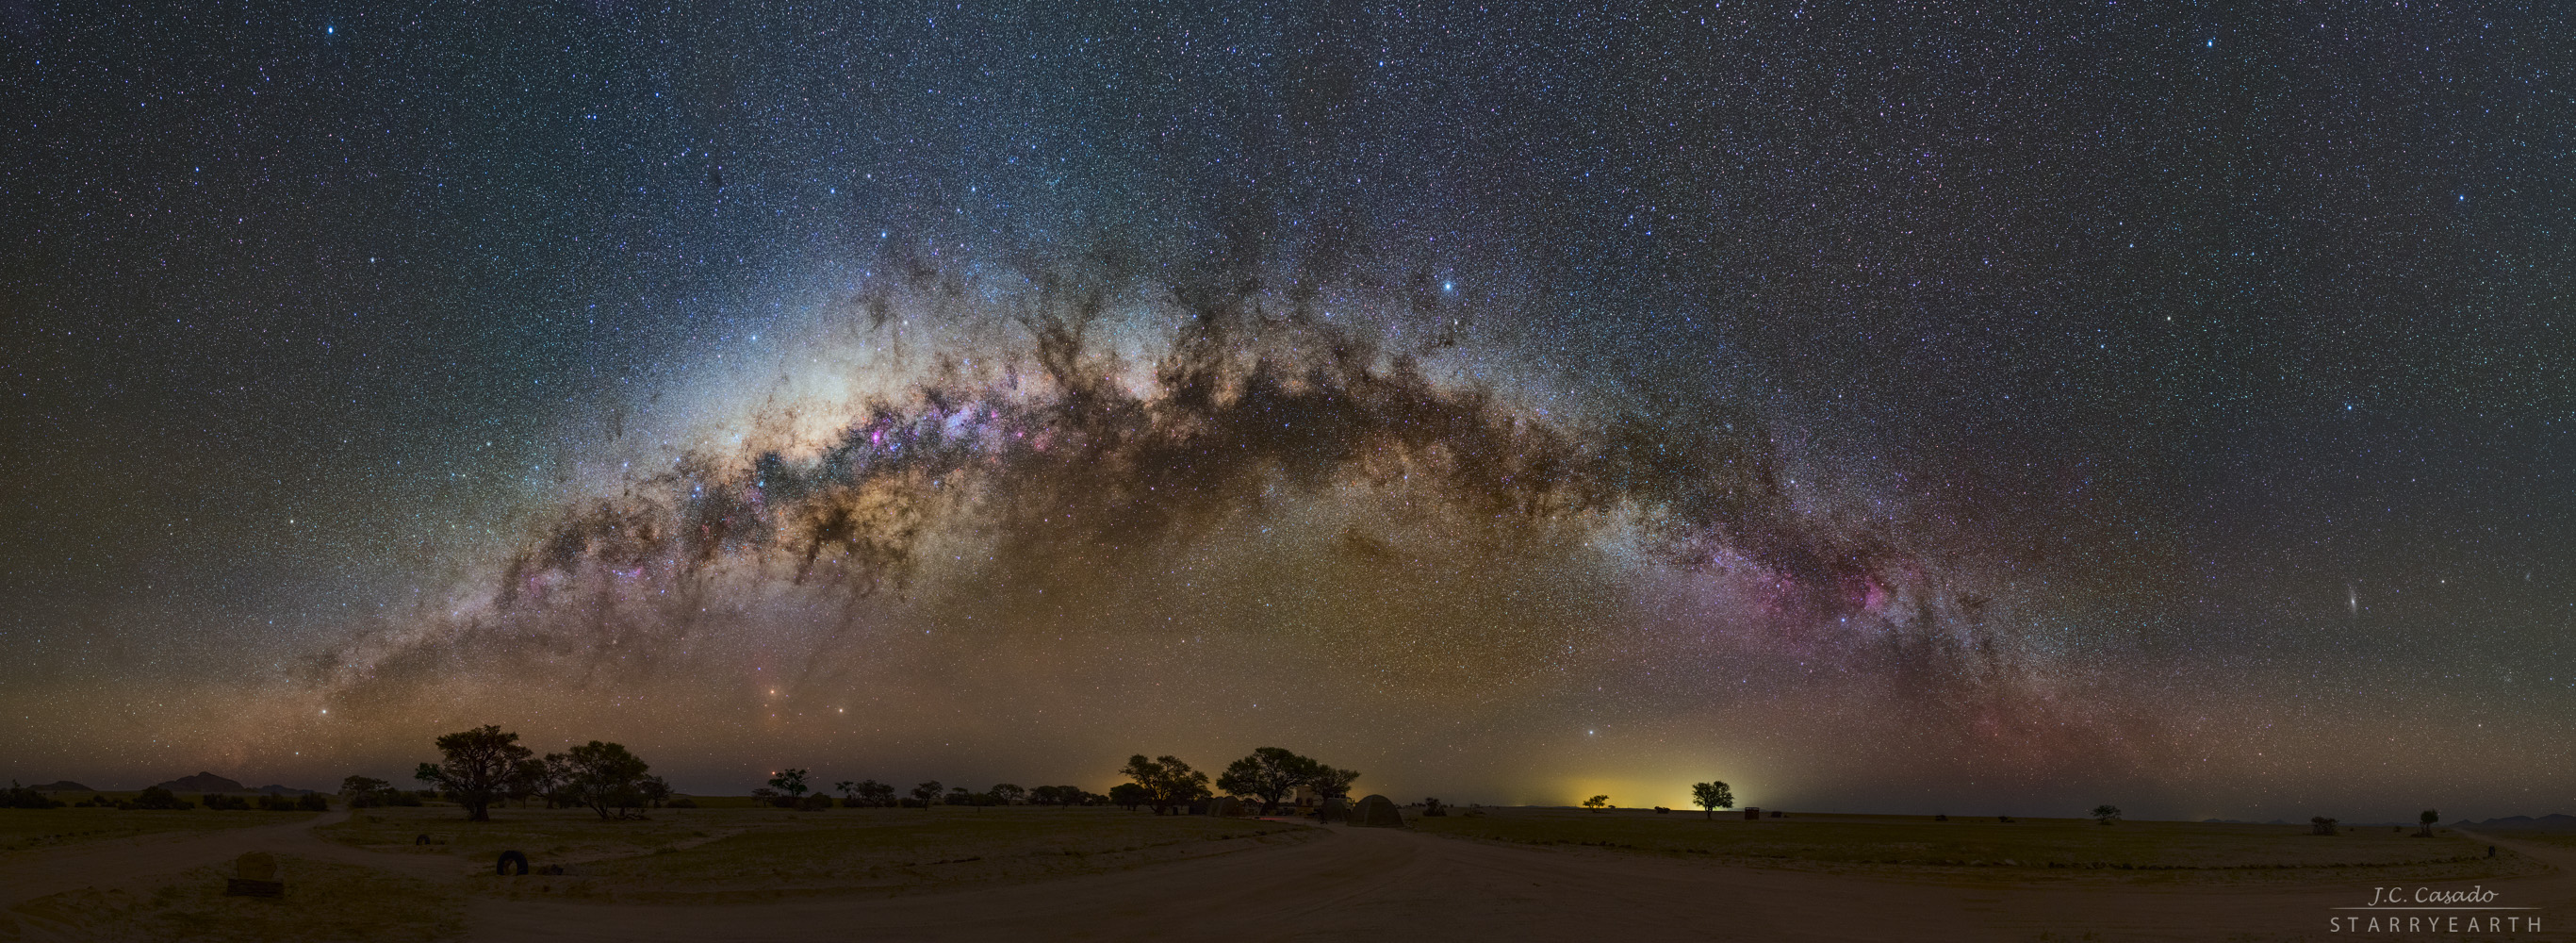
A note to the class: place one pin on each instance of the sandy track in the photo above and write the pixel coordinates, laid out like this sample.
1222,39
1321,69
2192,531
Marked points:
1372,884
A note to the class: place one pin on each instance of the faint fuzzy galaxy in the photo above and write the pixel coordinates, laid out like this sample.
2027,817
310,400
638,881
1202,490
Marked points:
1876,408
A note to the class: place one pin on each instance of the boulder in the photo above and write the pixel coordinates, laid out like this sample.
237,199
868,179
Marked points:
257,877
1377,812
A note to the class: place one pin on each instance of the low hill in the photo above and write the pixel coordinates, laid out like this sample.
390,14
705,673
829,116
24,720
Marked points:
2523,823
202,782
62,786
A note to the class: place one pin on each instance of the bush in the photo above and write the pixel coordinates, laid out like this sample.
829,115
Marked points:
21,797
276,804
814,803
682,802
220,802
157,798
313,802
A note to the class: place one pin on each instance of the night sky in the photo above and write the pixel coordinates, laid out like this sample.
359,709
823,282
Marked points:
1878,408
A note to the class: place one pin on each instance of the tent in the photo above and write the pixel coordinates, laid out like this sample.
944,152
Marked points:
1377,812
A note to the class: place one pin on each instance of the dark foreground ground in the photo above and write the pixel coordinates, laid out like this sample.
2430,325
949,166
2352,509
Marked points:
1021,873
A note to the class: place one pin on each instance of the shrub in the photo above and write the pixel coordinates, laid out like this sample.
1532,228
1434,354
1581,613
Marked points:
682,802
157,798
276,804
313,802
21,797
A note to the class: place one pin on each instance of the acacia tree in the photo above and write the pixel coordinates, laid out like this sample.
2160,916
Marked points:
534,778
1712,796
928,793
2429,817
477,768
1269,774
1596,803
791,782
874,793
2106,813
1129,795
1332,783
1008,792
606,777
1166,780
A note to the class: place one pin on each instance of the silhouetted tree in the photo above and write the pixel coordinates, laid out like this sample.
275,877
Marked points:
1712,796
365,792
532,778
928,793
1007,793
608,779
2320,825
2106,814
1269,774
476,768
1332,783
1596,803
1057,795
1167,780
791,782
1129,795
21,797
2429,817
874,793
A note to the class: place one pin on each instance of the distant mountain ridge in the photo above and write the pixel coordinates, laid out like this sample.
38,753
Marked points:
202,782
2560,822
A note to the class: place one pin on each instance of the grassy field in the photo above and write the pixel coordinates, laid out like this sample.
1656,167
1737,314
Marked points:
27,829
324,901
745,853
2040,847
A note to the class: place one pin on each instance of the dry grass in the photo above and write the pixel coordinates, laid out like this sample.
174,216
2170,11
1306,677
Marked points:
733,854
324,901
24,829
2137,850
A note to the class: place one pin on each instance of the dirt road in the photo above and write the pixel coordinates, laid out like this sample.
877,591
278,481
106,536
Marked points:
1377,884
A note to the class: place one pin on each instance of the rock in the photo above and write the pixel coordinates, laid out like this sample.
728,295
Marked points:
259,877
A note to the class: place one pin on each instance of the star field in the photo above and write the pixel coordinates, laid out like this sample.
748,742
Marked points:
1881,408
